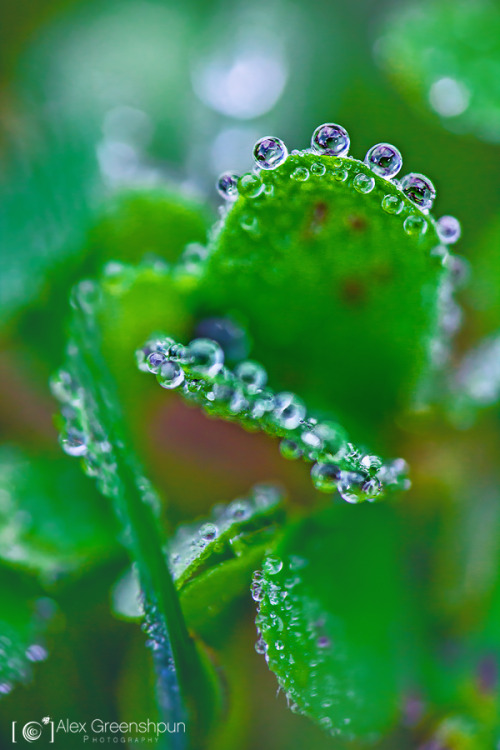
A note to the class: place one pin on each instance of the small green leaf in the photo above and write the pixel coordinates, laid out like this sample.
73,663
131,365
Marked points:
197,371
339,295
52,520
330,618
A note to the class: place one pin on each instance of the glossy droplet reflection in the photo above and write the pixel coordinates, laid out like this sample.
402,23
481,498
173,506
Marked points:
331,139
419,189
270,153
448,229
385,160
227,186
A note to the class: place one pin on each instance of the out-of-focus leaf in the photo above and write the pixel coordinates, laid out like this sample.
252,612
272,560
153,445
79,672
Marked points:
331,618
24,618
444,57
46,204
95,429
342,302
52,520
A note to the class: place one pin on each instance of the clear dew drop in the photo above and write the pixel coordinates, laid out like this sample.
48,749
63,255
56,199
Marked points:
318,169
227,186
252,375
289,411
340,174
448,229
204,357
260,646
155,361
325,476
363,183
391,204
208,532
249,223
250,185
301,174
384,159
170,375
74,443
289,449
270,153
415,225
419,189
279,645
350,487
330,139
272,565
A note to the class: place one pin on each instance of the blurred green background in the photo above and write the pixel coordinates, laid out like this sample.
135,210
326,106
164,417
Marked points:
116,117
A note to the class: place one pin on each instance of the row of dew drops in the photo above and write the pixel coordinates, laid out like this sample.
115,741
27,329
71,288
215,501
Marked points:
242,395
280,617
383,159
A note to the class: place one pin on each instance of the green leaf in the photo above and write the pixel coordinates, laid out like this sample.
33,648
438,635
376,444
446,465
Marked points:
330,618
24,619
197,371
95,429
154,222
45,193
431,51
211,560
52,521
341,301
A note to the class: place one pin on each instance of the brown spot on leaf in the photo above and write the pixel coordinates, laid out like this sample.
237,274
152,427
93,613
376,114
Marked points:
317,219
353,292
357,223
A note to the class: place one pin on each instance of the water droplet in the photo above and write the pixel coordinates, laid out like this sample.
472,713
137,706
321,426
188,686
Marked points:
384,159
371,463
363,184
272,565
74,443
36,653
419,189
392,204
155,361
252,375
301,174
289,411
340,175
227,185
325,476
279,645
415,225
240,510
249,223
170,375
289,449
318,169
448,229
270,153
260,646
330,139
250,185
323,642
350,487
208,532
204,357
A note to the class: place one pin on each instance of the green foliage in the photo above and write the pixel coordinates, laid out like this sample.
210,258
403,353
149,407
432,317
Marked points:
51,521
445,55
24,620
358,294
336,641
